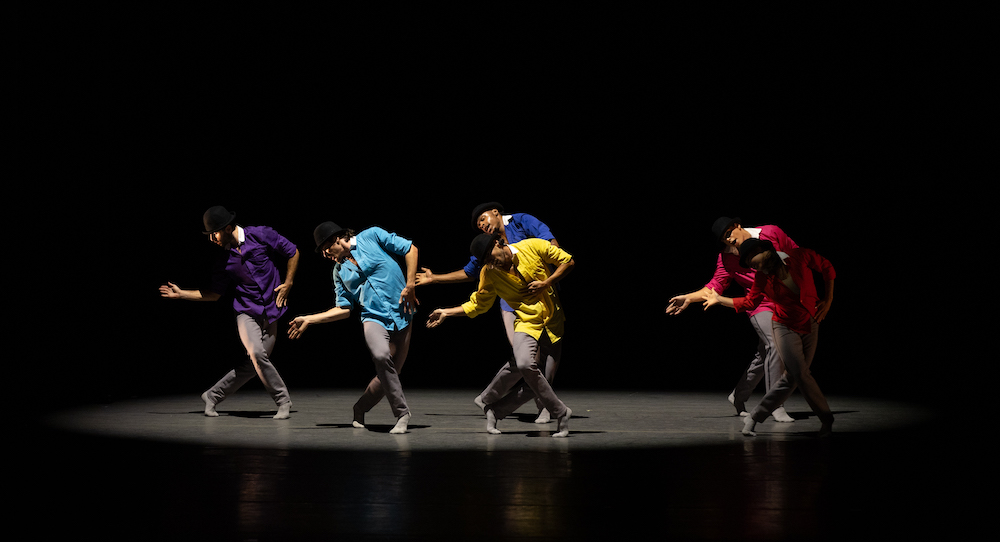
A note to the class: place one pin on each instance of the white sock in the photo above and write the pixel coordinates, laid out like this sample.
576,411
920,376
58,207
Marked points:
563,427
782,416
401,424
209,405
491,423
543,416
284,411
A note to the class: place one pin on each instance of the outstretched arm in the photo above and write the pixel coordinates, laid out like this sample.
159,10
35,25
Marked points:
439,315
713,298
426,276
299,324
172,291
680,302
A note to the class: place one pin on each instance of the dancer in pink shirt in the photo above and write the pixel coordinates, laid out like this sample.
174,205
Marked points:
786,279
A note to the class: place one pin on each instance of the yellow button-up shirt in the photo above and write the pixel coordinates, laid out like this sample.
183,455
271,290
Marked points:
536,313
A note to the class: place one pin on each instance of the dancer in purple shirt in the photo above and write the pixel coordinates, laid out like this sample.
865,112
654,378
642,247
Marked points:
260,298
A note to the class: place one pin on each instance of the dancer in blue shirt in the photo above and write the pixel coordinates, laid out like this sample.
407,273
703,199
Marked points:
367,277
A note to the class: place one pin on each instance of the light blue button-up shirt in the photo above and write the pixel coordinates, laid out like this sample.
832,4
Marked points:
377,281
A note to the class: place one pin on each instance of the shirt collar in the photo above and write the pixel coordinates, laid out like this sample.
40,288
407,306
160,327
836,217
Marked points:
240,237
754,234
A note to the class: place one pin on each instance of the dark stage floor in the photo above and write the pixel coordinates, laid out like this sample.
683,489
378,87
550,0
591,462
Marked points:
656,465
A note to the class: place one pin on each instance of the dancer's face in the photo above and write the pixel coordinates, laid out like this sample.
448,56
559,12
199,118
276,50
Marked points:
500,256
490,222
224,237
766,262
337,249
735,236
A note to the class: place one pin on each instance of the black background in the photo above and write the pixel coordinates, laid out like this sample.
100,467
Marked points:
627,132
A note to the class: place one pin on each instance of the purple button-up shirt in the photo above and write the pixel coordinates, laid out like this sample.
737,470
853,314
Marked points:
250,271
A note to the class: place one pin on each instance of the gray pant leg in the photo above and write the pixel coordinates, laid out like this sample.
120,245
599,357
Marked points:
527,352
796,351
388,351
258,337
508,375
766,364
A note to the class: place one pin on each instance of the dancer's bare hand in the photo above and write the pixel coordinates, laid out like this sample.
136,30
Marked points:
677,304
297,327
283,292
425,276
711,298
436,318
408,299
170,291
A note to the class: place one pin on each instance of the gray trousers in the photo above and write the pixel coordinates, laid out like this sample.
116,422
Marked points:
388,350
501,382
796,351
766,364
528,355
258,338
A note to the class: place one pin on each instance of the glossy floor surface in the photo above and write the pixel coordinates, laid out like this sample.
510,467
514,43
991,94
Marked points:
637,465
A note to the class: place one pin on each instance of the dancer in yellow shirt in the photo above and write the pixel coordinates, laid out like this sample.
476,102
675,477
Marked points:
519,274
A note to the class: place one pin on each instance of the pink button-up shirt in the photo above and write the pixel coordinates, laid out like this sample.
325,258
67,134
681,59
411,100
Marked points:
729,270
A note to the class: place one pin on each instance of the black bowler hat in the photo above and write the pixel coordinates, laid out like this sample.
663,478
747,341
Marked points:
482,245
482,208
216,218
752,247
324,232
722,224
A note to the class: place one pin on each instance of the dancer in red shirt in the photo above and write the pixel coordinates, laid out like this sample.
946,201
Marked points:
786,279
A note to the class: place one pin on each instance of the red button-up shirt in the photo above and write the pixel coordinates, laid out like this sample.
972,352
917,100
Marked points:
794,311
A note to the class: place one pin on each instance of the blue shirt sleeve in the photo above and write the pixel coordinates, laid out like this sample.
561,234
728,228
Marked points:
524,226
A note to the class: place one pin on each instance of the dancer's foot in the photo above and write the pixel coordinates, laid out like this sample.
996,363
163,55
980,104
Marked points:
491,422
562,430
284,411
827,428
781,416
401,424
359,418
748,427
209,405
741,409
543,416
